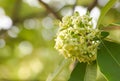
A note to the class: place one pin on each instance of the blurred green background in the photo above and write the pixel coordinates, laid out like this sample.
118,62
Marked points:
27,33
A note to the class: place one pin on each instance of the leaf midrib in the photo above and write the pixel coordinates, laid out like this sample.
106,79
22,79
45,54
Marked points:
110,53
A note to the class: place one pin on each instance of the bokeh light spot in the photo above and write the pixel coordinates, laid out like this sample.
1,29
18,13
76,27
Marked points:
82,10
2,43
47,22
13,32
5,22
33,3
30,23
24,72
66,11
36,66
25,48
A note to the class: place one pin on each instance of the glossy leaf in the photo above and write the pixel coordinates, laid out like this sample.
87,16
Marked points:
64,63
109,60
91,72
104,10
104,34
100,76
84,72
78,72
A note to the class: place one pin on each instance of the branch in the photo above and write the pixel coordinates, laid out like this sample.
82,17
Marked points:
16,10
50,9
91,6
74,6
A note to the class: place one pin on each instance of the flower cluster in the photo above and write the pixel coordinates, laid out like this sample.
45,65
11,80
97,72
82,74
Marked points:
77,39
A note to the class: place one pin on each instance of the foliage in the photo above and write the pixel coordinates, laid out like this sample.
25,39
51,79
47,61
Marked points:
27,42
106,51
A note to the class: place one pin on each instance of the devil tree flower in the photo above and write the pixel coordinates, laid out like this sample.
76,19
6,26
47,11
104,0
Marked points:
77,39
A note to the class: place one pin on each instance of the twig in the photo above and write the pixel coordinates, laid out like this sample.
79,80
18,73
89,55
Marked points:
16,10
50,9
91,6
74,6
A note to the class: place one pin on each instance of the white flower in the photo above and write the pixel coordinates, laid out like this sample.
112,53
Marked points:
77,39
95,13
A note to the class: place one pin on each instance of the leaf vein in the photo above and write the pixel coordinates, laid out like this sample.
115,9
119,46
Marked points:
109,52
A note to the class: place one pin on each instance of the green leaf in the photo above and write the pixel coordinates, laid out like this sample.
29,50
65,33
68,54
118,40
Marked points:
100,76
104,34
78,72
104,10
91,72
64,63
108,59
84,72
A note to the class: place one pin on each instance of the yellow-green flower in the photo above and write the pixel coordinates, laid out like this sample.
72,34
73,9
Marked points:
77,39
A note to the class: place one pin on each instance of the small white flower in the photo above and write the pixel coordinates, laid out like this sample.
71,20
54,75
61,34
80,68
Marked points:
76,38
95,13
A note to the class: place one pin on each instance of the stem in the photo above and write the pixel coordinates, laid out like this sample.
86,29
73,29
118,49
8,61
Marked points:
52,76
16,10
73,9
91,6
104,10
